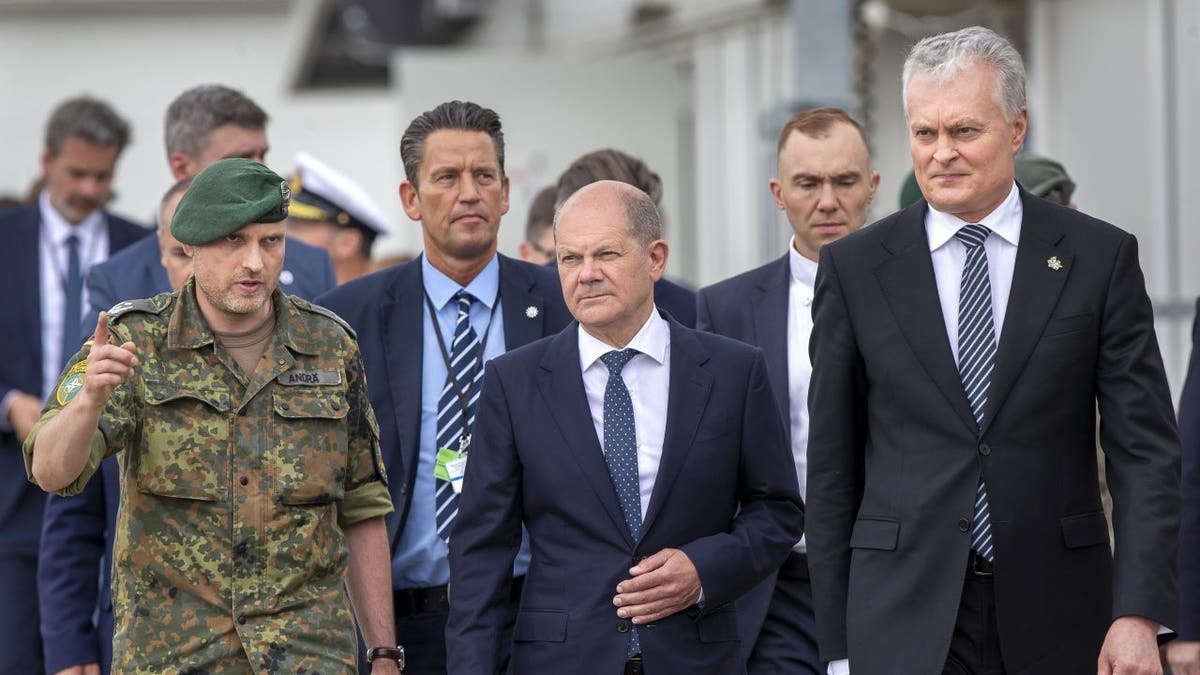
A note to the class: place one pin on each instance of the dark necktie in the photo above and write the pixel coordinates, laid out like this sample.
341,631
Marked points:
620,451
72,302
454,423
977,358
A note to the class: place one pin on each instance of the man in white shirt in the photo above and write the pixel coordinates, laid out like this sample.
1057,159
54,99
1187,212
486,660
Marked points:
647,461
961,349
49,247
824,185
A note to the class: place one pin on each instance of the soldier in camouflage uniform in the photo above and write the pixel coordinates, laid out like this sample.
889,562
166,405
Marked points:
252,483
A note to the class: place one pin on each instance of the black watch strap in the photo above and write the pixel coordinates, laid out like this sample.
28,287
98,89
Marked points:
393,653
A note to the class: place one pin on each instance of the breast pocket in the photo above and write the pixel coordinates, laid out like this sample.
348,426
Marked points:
184,451
310,460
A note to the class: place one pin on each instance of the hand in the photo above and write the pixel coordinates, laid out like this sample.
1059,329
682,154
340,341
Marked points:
24,411
662,584
1184,657
107,365
1130,648
84,669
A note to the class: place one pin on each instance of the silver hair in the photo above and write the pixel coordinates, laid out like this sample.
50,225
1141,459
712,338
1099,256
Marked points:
88,118
642,220
941,57
195,113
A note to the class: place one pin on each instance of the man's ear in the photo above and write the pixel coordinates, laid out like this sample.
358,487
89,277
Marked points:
180,165
410,200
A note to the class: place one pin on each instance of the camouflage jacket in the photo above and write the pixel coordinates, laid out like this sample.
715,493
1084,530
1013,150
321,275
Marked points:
229,555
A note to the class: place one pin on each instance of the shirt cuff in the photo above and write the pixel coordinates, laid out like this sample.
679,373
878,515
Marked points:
363,502
839,667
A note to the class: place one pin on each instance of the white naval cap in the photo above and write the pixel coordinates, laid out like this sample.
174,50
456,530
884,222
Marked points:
320,192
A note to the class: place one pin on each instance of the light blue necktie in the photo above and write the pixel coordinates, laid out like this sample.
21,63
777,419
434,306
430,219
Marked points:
620,451
452,421
72,302
977,358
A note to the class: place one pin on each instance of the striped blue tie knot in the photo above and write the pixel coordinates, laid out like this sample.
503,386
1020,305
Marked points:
977,359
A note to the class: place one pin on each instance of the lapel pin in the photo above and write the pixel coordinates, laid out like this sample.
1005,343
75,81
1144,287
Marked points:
1054,263
531,312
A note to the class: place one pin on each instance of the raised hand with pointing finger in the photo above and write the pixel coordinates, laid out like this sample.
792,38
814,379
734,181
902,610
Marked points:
107,366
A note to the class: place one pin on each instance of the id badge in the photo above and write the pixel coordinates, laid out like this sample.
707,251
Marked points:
456,469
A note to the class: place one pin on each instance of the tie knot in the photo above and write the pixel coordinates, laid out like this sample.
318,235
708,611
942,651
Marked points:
72,241
973,235
464,300
616,360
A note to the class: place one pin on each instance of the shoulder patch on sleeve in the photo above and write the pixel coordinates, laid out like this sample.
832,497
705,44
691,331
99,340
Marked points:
317,309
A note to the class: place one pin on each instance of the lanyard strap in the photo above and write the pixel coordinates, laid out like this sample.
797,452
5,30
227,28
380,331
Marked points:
437,332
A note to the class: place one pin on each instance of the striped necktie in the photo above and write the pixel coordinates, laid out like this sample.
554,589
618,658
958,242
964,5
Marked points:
620,451
454,423
977,358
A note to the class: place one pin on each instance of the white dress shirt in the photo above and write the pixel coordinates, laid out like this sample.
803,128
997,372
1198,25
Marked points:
647,377
93,248
799,329
949,256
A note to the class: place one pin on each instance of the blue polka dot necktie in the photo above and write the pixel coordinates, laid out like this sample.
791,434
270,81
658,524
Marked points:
452,421
977,358
620,451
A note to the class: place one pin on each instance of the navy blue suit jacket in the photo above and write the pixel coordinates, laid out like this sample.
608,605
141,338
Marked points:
77,531
386,310
725,494
752,307
679,301
1189,525
22,502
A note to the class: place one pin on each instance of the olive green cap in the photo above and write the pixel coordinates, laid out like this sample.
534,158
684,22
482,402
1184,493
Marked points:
225,197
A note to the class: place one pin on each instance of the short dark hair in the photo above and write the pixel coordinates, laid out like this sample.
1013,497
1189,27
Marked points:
609,164
541,213
195,113
461,115
816,121
88,118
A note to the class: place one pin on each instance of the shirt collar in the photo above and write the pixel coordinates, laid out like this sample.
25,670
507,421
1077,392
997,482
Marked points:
804,271
1004,220
58,229
652,340
441,288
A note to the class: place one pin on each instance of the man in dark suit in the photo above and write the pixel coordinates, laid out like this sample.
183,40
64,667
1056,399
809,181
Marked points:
50,246
642,456
203,124
412,321
610,164
1184,653
961,348
824,185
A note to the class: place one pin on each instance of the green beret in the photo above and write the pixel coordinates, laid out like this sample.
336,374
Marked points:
225,197
1044,177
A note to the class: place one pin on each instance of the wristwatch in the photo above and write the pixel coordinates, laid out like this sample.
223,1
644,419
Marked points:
394,653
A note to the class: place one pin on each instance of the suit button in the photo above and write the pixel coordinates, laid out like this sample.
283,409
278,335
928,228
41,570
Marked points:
622,626
964,525
242,619
985,449
244,480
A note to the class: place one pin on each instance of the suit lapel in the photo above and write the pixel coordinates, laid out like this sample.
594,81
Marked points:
689,389
770,326
402,321
561,387
911,290
1036,286
523,311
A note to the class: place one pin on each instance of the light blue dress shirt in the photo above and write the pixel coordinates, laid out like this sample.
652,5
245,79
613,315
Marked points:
421,559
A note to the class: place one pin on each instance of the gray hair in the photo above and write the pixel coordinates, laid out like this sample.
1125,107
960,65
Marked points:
642,220
195,113
88,118
941,57
460,115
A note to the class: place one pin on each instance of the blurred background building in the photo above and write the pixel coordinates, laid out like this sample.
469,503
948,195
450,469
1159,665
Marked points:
696,88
